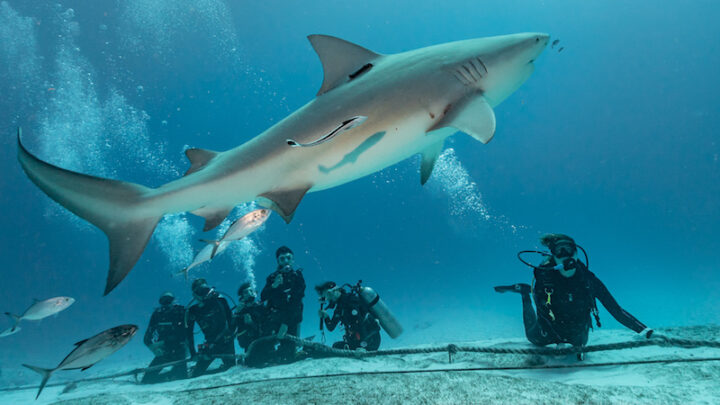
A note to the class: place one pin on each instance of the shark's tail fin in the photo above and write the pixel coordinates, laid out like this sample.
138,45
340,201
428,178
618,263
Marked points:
44,372
114,206
216,245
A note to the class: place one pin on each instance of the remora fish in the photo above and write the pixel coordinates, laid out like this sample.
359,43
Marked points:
39,310
89,351
241,228
204,255
412,100
344,126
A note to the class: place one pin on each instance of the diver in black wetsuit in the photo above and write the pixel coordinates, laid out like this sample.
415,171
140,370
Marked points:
212,313
249,316
283,293
362,330
564,292
169,340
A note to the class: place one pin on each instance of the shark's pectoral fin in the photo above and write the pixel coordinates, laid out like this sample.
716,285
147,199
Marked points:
342,61
472,115
213,215
199,158
429,157
284,202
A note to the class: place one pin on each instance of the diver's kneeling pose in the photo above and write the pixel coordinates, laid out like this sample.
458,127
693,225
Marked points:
564,291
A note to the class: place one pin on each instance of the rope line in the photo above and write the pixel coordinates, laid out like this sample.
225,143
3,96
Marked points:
448,370
318,350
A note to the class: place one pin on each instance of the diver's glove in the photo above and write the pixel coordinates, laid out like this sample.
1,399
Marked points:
647,333
282,331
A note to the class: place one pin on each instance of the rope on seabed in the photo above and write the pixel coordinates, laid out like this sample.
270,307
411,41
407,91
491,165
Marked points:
322,351
449,370
453,349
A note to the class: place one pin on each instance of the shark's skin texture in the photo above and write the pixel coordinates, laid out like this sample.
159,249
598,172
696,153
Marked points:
412,101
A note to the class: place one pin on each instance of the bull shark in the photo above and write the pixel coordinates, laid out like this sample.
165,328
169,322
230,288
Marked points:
89,351
409,102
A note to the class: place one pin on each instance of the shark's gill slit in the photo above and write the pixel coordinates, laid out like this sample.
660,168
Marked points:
360,71
476,68
482,64
472,77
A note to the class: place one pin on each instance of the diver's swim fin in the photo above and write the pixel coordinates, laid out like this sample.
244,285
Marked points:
518,288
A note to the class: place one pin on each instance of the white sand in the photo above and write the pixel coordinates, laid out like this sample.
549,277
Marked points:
690,383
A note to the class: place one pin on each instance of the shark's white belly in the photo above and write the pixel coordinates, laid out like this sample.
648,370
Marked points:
378,150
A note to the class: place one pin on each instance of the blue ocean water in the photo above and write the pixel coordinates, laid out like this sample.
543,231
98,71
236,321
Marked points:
613,141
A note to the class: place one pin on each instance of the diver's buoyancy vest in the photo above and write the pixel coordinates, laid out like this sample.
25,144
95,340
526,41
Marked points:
170,324
566,302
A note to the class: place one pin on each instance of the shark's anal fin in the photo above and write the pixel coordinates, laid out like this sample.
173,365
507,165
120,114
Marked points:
472,115
213,215
429,157
198,158
284,202
342,61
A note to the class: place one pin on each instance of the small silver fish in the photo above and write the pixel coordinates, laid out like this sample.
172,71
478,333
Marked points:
555,42
241,228
10,331
39,310
205,254
344,126
89,351
561,49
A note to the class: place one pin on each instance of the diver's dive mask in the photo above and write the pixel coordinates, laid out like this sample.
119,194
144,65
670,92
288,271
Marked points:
166,301
202,291
563,249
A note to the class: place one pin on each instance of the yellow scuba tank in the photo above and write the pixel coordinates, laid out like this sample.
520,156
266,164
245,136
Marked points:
378,308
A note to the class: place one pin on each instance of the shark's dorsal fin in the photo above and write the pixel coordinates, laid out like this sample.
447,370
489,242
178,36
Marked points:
213,215
198,158
472,115
81,342
429,157
342,61
284,202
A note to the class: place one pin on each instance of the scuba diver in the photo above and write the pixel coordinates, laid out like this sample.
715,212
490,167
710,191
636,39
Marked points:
248,316
169,340
564,292
212,313
362,330
283,294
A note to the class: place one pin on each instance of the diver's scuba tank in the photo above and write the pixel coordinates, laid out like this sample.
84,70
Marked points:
378,308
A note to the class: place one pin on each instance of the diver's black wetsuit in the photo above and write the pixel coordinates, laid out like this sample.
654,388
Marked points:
167,328
248,332
361,327
214,317
285,306
564,306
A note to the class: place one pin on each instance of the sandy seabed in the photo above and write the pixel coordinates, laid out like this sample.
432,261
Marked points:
661,383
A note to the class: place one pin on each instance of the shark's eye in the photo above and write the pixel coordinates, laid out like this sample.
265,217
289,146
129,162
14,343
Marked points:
537,39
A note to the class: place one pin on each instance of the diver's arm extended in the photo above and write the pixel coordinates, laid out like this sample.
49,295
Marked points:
622,316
